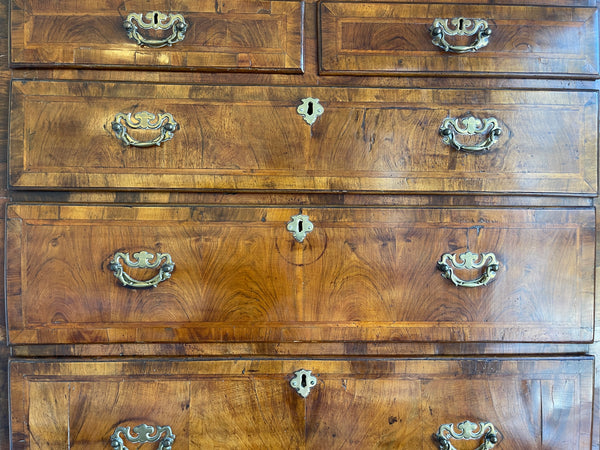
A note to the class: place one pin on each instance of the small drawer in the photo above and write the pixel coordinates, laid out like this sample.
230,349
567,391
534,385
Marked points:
397,38
81,274
518,403
195,35
95,135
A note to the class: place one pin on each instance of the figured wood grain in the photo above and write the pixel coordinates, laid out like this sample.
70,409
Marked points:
535,413
385,403
394,39
252,139
364,274
237,35
252,410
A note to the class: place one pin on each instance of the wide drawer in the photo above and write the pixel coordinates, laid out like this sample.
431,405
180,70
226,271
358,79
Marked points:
395,39
360,403
73,135
242,274
188,34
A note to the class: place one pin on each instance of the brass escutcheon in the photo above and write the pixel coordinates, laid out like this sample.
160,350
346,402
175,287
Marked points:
157,21
299,225
310,109
460,26
303,382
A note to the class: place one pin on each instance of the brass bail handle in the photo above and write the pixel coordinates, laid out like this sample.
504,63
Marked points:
460,26
143,434
164,123
451,128
467,430
468,261
156,21
142,260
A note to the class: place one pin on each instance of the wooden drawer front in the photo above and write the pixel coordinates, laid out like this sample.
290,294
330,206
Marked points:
394,39
253,138
385,403
233,35
365,274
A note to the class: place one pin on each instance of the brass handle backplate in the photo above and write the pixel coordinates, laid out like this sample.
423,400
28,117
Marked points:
470,126
155,21
144,120
303,382
469,261
467,430
460,26
143,434
142,260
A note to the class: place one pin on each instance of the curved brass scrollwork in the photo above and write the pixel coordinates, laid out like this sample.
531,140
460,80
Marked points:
470,126
467,430
144,120
460,26
156,21
143,260
469,261
142,434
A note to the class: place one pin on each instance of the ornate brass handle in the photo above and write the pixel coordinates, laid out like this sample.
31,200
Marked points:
469,261
144,120
142,434
471,126
460,26
467,430
155,21
143,260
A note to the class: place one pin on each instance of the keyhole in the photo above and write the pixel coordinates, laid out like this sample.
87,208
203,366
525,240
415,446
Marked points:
461,24
300,229
309,111
155,18
303,382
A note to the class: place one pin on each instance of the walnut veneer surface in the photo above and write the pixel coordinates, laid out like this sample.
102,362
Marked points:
397,350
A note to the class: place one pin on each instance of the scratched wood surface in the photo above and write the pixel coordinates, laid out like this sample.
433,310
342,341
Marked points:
236,35
357,403
252,138
362,274
394,39
571,51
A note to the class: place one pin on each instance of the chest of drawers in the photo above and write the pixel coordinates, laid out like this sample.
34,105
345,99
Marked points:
302,224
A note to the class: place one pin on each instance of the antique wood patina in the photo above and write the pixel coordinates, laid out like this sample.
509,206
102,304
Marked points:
300,224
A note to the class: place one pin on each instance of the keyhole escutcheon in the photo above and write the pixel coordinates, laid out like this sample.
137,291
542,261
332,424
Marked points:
303,382
310,109
299,225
